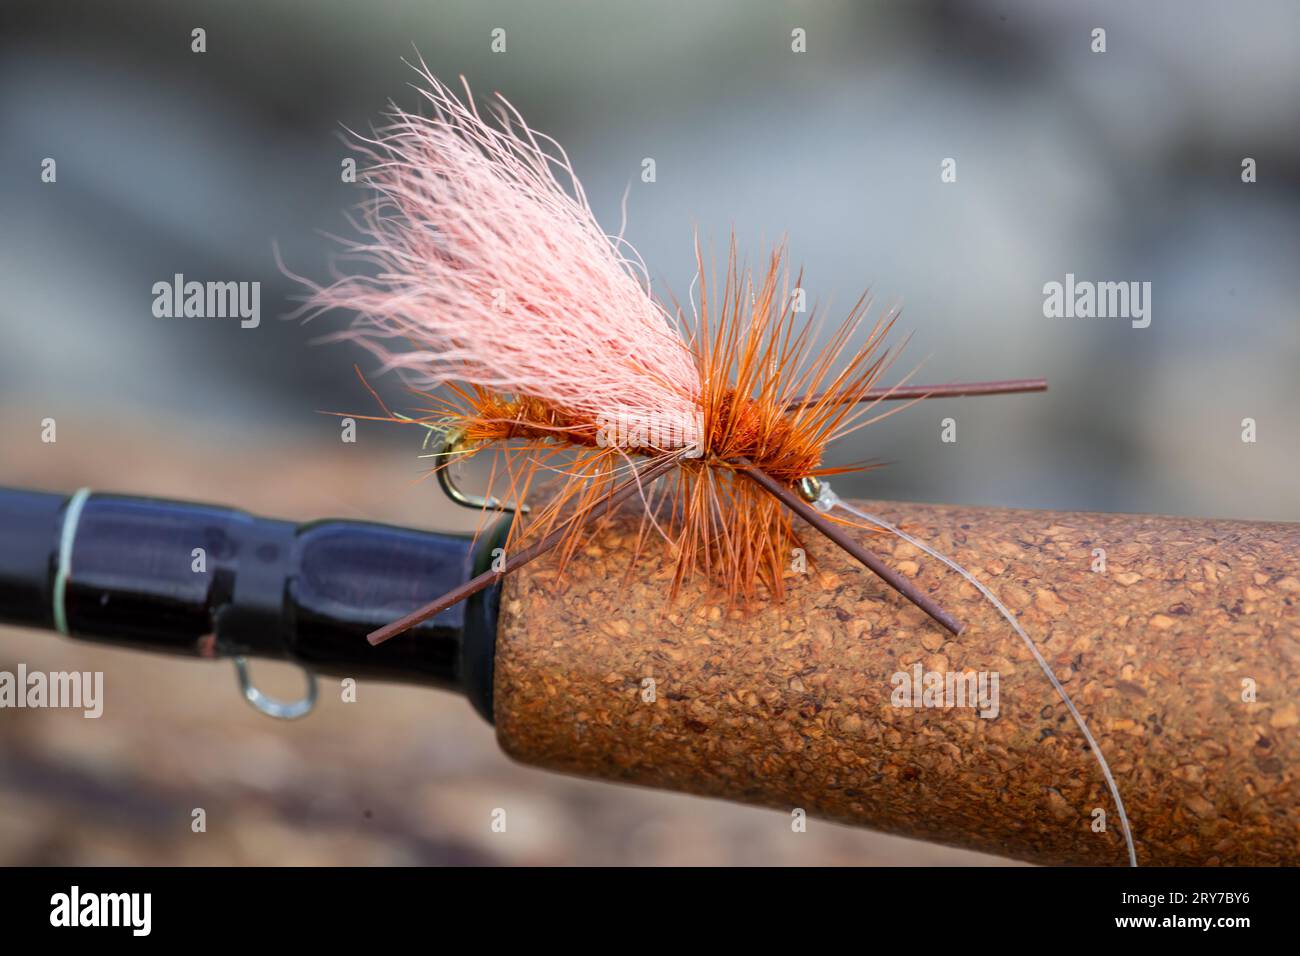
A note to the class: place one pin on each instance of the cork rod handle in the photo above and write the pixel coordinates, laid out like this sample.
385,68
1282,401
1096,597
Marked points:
1178,639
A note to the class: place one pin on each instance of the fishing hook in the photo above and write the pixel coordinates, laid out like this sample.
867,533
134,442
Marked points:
453,444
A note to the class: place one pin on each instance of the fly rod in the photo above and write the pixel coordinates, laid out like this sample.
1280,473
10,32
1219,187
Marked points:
1179,649
212,582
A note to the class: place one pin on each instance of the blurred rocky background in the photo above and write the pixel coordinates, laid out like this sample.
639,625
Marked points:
1122,166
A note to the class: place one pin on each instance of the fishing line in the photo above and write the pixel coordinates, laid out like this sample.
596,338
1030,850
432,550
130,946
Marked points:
828,500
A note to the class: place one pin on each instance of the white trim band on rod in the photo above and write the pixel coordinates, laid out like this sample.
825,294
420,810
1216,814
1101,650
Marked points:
66,537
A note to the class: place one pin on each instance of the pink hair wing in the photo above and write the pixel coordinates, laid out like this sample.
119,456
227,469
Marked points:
486,270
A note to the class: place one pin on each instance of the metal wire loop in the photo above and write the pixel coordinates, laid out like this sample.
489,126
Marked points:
272,706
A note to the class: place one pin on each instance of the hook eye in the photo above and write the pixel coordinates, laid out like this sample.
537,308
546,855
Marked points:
453,445
810,488
271,706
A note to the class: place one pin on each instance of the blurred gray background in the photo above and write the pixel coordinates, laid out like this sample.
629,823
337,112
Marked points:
1115,167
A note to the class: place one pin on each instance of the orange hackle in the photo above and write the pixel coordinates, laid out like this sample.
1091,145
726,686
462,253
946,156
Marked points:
756,358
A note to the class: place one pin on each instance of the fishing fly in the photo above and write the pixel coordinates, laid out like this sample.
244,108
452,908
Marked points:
526,330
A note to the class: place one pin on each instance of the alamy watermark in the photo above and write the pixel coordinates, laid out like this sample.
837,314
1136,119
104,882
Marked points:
133,911
69,690
1102,300
921,688
208,300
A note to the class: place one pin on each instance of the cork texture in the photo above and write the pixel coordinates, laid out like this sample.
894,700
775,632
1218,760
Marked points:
1183,655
